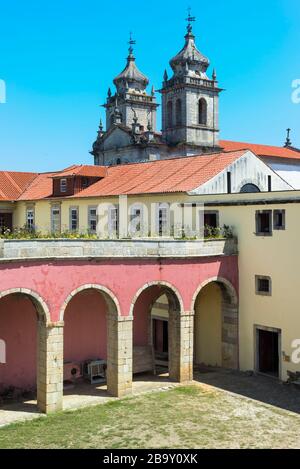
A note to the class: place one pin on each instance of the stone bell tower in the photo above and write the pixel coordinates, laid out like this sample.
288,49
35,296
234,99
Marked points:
190,99
131,100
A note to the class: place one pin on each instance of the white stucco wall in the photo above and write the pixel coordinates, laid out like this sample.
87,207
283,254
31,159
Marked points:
289,170
248,169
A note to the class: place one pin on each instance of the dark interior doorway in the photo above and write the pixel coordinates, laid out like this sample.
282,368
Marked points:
268,352
5,221
160,340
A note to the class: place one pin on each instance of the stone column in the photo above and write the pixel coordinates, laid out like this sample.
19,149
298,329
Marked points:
230,336
119,355
50,366
181,342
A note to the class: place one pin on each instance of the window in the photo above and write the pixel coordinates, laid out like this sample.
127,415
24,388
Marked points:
74,219
30,219
169,114
178,112
202,111
92,219
113,221
163,220
118,161
211,222
63,185
136,220
279,219
249,188
211,219
263,222
55,219
262,285
85,183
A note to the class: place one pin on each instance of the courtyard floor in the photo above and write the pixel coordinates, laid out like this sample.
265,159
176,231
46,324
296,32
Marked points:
220,409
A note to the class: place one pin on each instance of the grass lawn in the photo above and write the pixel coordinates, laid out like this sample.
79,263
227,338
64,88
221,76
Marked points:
183,417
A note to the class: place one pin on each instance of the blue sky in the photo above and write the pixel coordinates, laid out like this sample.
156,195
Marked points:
58,58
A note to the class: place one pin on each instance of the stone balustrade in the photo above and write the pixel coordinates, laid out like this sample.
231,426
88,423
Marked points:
133,248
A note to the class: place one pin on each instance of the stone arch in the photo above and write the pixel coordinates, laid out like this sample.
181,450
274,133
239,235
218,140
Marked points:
229,334
110,299
40,305
168,287
143,337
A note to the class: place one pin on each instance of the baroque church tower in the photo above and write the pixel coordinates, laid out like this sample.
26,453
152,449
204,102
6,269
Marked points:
190,99
130,118
190,111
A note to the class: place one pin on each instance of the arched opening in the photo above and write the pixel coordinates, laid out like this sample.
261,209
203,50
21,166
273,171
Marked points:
170,114
22,316
156,311
202,112
178,112
249,188
86,328
216,325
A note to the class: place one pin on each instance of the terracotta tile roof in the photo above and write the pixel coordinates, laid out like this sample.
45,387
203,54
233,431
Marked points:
164,176
82,170
13,184
40,188
261,150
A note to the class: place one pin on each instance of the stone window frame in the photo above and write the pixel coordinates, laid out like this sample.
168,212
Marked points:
166,206
256,329
30,208
71,209
92,218
113,231
203,112
263,277
283,226
55,206
133,208
257,231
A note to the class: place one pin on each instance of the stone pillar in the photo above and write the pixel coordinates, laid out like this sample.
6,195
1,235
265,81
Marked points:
181,343
119,355
230,336
50,366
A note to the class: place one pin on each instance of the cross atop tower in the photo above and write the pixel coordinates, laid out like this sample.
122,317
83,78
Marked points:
131,43
288,142
190,19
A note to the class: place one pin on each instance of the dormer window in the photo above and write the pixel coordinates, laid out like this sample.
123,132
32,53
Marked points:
63,185
85,183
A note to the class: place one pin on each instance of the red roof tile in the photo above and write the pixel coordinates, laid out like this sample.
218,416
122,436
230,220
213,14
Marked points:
164,176
82,170
261,150
13,184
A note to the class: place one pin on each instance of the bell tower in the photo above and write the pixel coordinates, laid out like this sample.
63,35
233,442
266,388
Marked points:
190,99
131,100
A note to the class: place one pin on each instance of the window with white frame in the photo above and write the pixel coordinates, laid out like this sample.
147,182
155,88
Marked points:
30,218
74,219
55,219
63,185
92,219
163,219
136,220
113,221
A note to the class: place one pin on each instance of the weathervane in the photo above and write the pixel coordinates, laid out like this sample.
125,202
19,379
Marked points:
131,43
190,19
